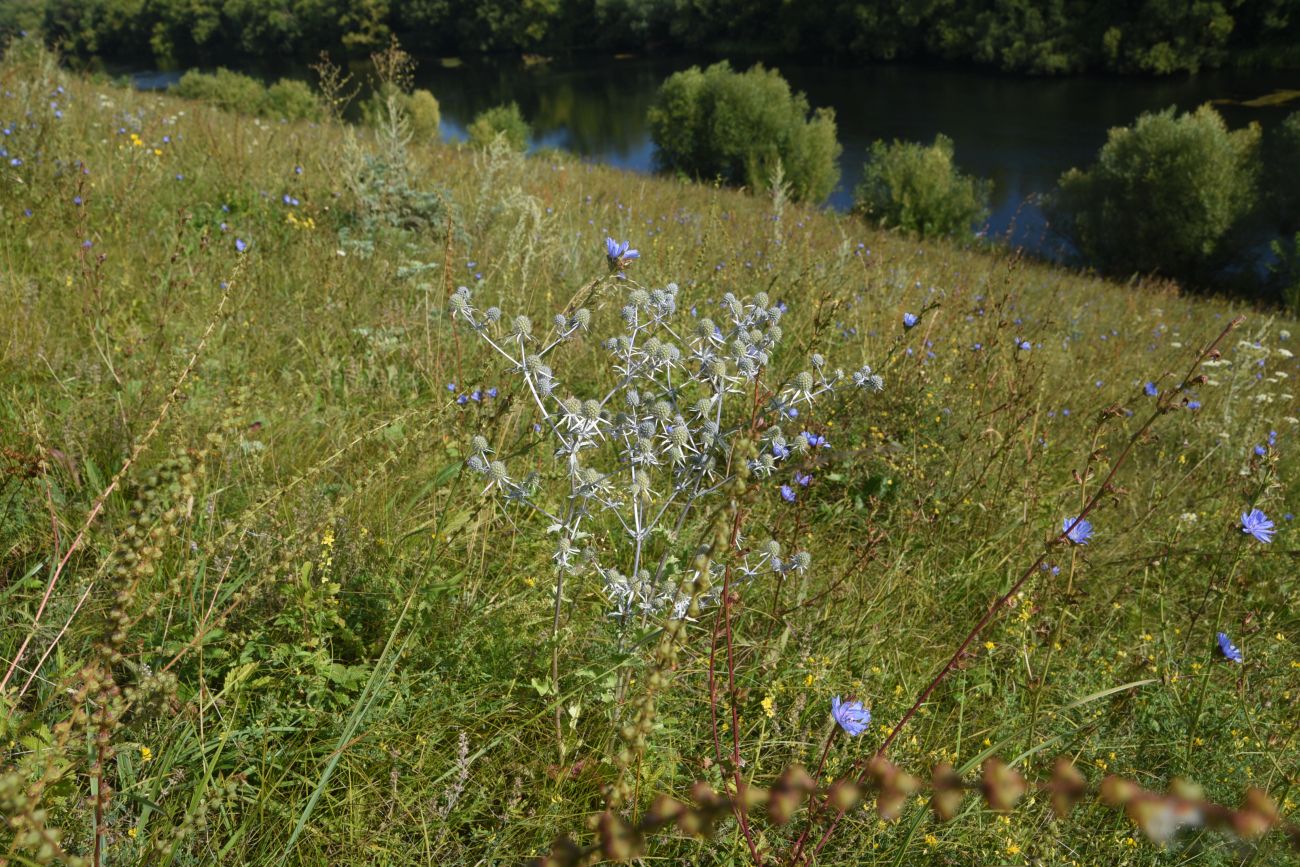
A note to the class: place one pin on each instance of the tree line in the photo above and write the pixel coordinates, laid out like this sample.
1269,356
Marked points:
1044,37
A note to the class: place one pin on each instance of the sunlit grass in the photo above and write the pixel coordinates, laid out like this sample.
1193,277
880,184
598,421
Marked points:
340,606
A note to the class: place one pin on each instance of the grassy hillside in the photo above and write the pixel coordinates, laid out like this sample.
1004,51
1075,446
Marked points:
256,609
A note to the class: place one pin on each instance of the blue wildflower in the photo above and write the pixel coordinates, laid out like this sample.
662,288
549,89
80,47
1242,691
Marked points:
1193,404
240,245
1261,451
787,493
802,479
619,253
1023,345
780,452
1077,530
815,441
463,399
492,392
451,386
1150,389
1257,524
910,320
851,716
1229,649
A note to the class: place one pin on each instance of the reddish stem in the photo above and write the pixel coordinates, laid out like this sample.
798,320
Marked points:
1162,406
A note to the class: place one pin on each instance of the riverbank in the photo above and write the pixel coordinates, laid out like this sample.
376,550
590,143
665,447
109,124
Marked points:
1020,133
308,636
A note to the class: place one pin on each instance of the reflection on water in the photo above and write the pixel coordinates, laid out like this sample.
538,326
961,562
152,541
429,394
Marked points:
1020,132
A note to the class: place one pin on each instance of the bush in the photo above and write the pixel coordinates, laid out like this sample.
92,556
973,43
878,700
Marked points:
232,91
420,109
424,114
1162,196
292,100
737,126
504,120
918,189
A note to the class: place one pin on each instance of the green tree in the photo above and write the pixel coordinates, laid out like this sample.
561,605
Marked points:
737,126
920,190
1163,195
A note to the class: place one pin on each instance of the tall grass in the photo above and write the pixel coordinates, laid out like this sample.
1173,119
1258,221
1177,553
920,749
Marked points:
283,625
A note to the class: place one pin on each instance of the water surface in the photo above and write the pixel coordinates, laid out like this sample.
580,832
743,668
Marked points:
1020,132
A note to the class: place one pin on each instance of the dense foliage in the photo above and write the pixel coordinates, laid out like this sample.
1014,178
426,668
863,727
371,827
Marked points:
1163,195
740,126
505,121
419,107
288,98
919,189
1020,35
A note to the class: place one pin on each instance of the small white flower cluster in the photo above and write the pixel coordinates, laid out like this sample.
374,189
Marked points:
653,443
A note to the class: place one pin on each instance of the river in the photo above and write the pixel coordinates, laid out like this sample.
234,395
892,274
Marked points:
1020,132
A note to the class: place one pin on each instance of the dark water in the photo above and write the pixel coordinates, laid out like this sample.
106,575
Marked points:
1020,132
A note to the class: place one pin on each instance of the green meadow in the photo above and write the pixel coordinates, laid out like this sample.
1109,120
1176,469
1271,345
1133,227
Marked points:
255,607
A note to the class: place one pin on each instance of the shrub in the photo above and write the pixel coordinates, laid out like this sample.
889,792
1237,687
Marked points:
420,109
424,114
1162,196
918,189
504,120
292,100
737,126
232,91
